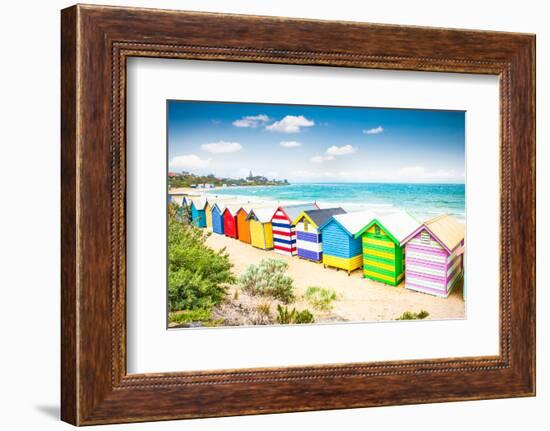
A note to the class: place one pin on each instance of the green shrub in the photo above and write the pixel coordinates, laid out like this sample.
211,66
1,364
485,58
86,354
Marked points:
422,314
304,316
408,315
320,298
188,316
179,213
264,309
268,279
286,316
197,275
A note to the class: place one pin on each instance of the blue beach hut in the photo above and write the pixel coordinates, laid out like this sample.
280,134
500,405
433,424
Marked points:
217,218
198,213
341,250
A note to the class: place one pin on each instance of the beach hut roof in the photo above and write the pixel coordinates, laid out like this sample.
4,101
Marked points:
319,217
246,208
199,202
221,206
397,224
293,211
264,215
352,222
232,208
445,229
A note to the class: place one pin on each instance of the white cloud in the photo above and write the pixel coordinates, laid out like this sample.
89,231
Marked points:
373,131
414,174
417,173
333,152
340,151
290,144
321,159
222,147
251,121
290,124
189,161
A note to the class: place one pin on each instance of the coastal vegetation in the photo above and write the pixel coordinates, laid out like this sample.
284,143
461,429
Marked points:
287,317
187,179
409,315
320,298
268,279
198,276
203,291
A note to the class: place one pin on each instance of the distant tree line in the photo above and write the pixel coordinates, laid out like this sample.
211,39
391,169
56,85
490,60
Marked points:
186,179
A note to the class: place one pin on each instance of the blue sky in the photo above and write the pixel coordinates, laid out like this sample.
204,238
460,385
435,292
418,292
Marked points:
316,143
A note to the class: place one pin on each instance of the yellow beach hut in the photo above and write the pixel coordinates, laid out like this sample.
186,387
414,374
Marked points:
208,213
261,231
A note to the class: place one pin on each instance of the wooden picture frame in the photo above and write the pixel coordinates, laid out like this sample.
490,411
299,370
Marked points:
95,43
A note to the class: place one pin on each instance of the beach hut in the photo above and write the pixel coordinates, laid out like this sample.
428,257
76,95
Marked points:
177,198
230,227
243,224
383,255
284,231
434,256
179,201
261,233
210,206
217,218
308,237
208,213
341,249
198,215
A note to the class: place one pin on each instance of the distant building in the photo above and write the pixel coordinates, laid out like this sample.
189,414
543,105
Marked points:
172,174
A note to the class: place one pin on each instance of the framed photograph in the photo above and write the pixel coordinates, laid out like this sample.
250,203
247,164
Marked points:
266,215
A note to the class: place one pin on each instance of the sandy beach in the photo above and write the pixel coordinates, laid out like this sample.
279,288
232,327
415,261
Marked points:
359,299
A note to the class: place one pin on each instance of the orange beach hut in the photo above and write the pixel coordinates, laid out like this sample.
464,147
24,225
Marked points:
243,224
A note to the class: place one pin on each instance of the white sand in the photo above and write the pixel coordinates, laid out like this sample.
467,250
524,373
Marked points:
359,299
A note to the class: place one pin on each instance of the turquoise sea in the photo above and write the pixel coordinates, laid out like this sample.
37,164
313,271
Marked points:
423,201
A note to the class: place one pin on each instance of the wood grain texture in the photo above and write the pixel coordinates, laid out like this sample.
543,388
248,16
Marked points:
96,41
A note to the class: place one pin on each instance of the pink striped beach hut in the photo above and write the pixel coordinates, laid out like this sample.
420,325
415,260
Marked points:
434,256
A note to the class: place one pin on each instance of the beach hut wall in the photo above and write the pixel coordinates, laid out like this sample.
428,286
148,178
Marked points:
261,231
243,224
198,215
217,218
309,243
230,227
383,255
208,214
284,231
340,247
434,256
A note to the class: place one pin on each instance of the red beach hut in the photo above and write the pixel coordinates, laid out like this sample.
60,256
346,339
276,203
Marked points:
230,221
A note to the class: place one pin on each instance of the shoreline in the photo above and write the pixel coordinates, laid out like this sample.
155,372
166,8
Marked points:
349,206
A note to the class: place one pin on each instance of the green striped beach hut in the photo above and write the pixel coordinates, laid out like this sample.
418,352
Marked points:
383,255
